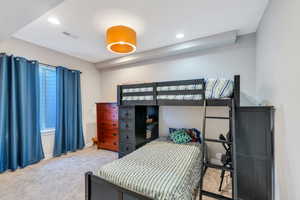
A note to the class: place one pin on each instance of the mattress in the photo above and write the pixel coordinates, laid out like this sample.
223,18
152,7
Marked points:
160,170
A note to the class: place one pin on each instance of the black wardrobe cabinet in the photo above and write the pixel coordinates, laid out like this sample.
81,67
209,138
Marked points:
133,127
254,154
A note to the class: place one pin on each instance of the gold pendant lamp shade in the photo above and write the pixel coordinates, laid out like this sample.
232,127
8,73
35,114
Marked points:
121,39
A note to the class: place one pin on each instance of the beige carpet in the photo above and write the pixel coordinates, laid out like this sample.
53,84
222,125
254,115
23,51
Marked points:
55,179
63,178
212,181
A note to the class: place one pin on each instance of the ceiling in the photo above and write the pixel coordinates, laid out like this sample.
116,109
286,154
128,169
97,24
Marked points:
156,22
15,14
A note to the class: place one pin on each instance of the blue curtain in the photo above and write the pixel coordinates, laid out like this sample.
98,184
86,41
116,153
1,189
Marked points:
20,136
69,133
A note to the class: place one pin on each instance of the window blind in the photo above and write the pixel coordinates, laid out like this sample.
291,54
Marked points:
47,98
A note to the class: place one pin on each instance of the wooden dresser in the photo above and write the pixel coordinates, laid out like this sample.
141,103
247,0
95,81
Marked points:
107,126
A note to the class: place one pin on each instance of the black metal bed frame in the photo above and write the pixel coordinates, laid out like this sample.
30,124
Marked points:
97,188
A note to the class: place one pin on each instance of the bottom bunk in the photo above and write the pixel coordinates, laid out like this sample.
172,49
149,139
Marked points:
159,170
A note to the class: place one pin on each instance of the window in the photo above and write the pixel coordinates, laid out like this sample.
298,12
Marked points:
47,98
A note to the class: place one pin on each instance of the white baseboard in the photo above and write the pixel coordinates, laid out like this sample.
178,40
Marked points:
48,156
88,145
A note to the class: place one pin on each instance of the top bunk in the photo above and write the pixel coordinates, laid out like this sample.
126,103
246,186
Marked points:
216,92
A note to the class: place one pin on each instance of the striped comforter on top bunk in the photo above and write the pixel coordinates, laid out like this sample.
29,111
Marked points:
160,170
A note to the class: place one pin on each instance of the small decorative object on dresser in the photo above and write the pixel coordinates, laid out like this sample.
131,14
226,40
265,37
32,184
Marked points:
107,126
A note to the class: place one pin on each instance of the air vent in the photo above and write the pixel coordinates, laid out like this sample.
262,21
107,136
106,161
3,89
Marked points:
70,35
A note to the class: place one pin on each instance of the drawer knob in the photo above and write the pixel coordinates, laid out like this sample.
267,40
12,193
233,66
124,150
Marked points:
127,126
127,148
114,124
114,134
115,143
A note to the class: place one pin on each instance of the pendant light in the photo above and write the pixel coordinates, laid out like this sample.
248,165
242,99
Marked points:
121,39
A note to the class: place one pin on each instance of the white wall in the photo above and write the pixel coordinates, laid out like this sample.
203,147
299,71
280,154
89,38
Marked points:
221,62
277,84
90,82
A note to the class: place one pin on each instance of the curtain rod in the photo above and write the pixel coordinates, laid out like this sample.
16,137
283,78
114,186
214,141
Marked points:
52,66
48,65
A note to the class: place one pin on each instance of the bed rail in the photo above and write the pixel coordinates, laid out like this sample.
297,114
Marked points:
97,188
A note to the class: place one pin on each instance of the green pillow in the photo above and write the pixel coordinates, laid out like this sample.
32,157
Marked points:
180,137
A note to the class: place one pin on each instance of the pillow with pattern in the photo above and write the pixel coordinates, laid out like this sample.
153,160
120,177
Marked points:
218,88
194,133
180,137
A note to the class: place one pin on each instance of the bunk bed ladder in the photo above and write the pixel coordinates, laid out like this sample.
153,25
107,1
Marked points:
205,163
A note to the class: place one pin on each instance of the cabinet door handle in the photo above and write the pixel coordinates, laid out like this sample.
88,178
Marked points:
127,137
127,126
127,148
114,134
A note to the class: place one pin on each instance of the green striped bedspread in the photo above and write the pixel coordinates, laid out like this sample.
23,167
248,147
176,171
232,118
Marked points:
160,170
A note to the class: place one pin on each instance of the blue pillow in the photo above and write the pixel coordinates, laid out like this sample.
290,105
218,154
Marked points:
194,133
180,137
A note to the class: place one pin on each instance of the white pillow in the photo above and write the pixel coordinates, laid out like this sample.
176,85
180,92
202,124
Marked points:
218,88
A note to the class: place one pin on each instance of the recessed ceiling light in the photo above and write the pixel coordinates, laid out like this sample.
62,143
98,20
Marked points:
180,35
53,20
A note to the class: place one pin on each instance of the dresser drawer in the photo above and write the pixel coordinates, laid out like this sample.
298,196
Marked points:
126,125
126,113
127,137
109,147
126,148
108,107
110,132
110,140
109,124
108,116
109,144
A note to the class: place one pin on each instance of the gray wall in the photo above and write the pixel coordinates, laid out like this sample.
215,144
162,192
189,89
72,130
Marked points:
277,84
221,62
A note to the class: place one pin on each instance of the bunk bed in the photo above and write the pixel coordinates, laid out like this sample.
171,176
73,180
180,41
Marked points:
172,93
184,93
